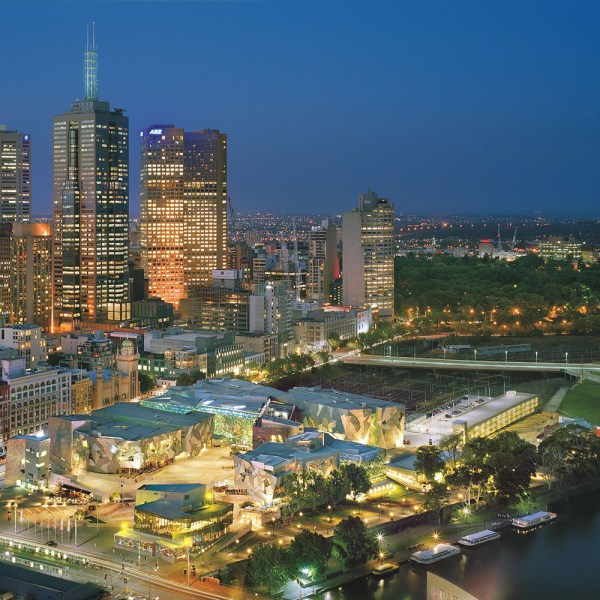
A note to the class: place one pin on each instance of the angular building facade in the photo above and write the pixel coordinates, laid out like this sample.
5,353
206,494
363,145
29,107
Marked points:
368,255
184,208
90,196
15,175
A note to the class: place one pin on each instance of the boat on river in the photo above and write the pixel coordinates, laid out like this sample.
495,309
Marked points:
481,537
385,569
538,518
435,554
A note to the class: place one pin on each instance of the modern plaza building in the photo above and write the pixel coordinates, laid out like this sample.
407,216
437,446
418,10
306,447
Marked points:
184,208
90,196
126,437
322,257
368,255
261,472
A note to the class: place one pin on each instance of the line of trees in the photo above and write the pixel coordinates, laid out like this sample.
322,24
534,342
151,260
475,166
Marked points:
525,296
498,470
310,490
272,566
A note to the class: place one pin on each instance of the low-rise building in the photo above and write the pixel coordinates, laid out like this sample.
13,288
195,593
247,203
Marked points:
261,472
26,341
126,437
34,396
171,519
28,462
351,416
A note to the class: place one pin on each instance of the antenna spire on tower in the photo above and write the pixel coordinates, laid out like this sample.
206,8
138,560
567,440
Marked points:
90,65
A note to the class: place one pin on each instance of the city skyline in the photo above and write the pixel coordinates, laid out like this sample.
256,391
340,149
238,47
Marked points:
458,110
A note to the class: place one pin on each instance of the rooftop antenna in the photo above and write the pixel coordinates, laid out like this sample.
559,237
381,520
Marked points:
90,64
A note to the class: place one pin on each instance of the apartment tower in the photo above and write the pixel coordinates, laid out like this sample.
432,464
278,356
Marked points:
90,195
368,255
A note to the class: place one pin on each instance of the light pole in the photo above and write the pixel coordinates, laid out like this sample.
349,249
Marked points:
506,357
536,358
475,356
566,359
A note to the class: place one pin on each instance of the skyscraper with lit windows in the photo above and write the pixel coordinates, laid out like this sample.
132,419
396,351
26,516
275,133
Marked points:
368,255
15,175
184,208
90,195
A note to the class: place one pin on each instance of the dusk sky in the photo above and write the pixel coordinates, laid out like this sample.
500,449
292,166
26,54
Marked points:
445,107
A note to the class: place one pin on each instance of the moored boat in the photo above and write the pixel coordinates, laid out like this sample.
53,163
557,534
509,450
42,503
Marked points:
481,537
433,555
538,518
385,569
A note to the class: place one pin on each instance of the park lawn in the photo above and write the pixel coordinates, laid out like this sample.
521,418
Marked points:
583,401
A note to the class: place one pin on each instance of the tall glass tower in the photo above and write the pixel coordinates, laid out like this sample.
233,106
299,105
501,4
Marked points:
184,208
15,175
90,196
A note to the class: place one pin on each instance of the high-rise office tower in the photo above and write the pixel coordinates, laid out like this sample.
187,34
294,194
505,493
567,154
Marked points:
368,255
15,175
90,195
26,273
322,252
31,274
184,208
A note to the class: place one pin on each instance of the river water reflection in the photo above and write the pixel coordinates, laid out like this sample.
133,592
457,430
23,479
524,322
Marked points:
557,561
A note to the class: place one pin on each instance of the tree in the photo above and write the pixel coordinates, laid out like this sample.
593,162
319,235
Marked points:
308,555
146,383
185,379
337,487
268,566
357,477
352,542
429,462
436,499
304,491
334,341
570,454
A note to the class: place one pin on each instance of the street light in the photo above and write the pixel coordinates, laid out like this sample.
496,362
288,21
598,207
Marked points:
536,358
476,356
237,548
566,359
506,357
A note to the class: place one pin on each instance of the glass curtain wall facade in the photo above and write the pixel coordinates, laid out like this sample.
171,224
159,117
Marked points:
90,215
184,209
15,175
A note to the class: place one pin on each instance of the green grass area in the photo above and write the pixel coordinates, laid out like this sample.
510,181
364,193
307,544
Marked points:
583,401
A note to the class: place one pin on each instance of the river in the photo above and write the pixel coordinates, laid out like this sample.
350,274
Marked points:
554,562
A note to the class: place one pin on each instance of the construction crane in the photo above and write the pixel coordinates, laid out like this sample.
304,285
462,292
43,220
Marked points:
514,240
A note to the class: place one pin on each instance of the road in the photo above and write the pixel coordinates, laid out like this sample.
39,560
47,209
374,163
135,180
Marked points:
466,365
83,566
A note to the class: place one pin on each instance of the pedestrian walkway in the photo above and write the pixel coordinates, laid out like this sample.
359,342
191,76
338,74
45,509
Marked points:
554,403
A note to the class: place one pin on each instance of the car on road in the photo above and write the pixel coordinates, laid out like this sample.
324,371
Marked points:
51,543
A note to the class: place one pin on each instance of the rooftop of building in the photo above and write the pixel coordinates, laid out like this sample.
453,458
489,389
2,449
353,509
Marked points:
337,399
134,411
493,407
111,428
30,437
177,488
171,511
301,448
45,581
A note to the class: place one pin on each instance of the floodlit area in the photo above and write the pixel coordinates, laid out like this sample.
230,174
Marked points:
212,466
478,414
